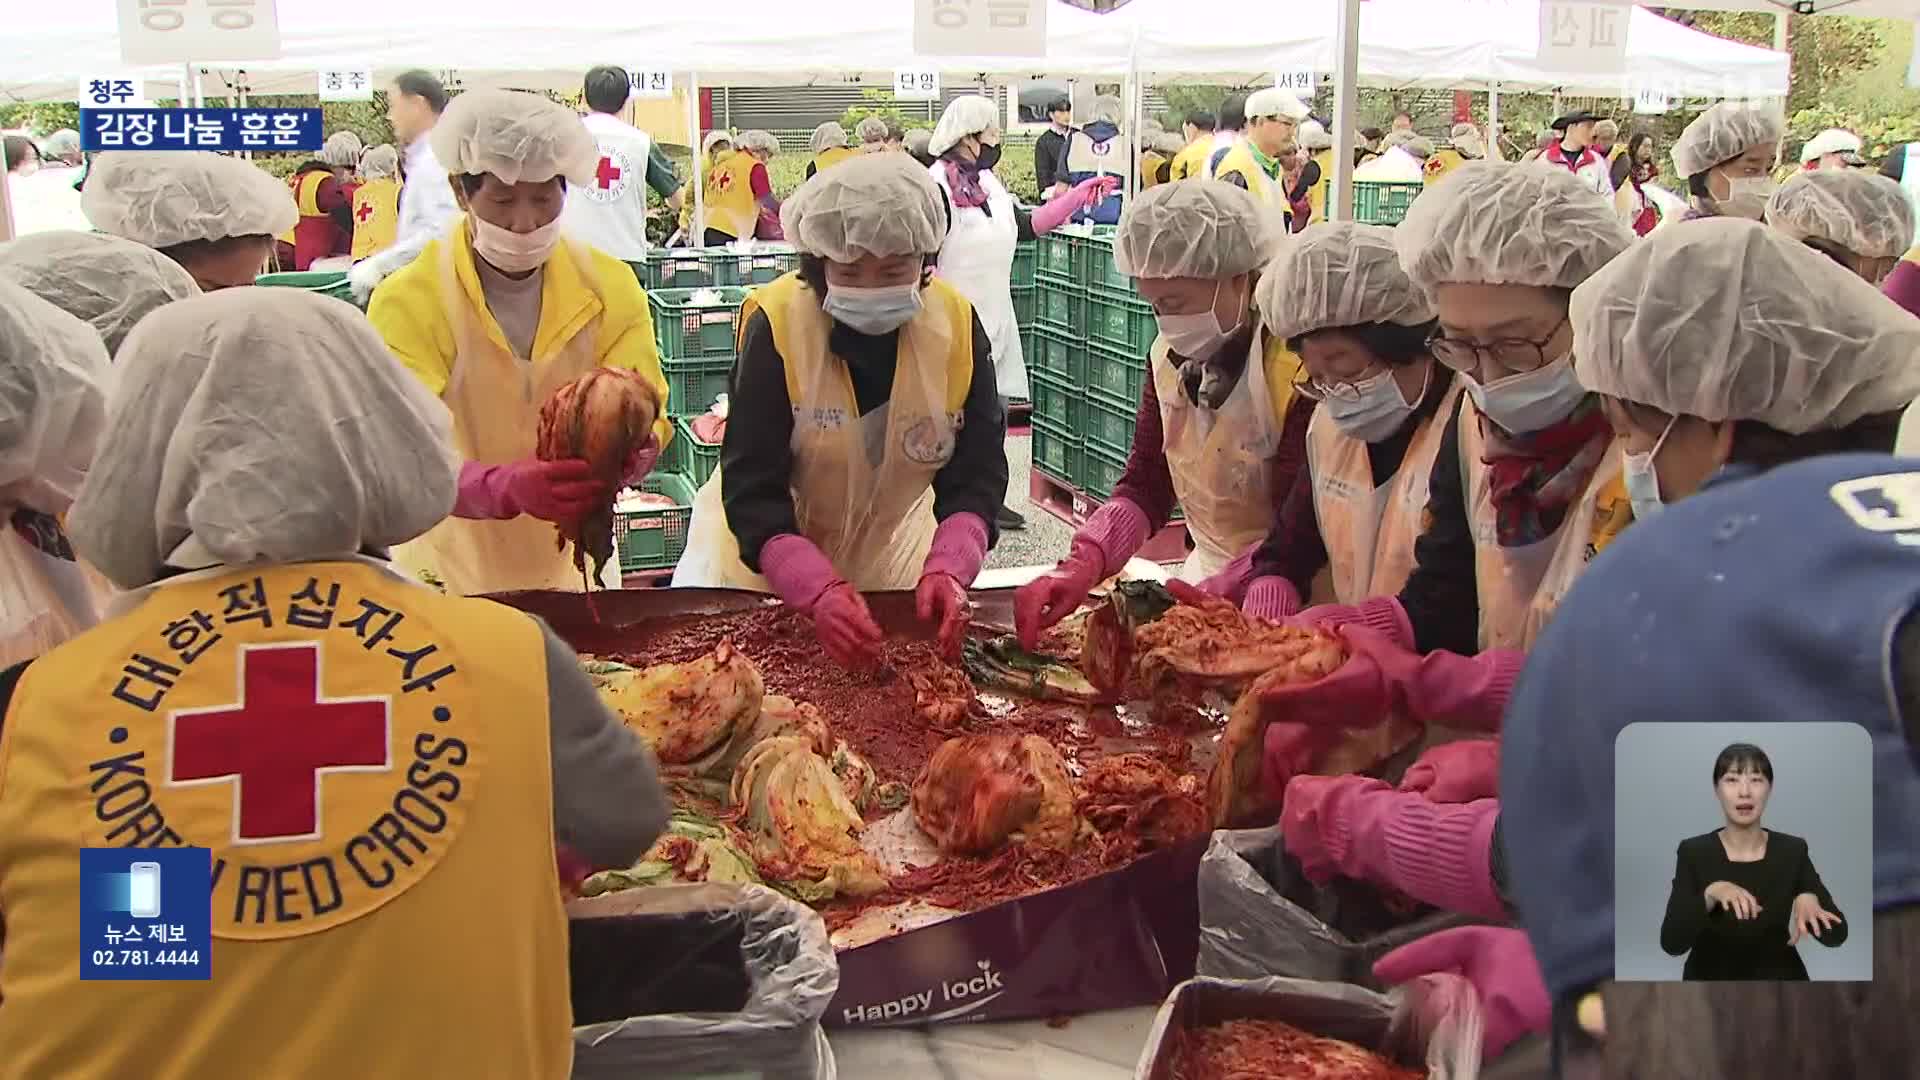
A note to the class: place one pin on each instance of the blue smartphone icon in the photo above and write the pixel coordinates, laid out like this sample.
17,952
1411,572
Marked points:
143,890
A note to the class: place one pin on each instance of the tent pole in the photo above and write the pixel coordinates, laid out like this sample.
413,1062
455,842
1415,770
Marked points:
699,237
199,90
1780,45
1137,110
1346,76
1493,121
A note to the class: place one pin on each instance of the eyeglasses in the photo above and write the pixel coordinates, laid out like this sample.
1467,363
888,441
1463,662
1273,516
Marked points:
1508,354
1343,389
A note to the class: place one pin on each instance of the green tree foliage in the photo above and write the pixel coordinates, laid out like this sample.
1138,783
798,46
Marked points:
40,117
883,104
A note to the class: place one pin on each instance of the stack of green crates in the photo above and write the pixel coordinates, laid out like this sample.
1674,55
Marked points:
696,338
1024,295
690,457
650,540
691,268
1383,202
1057,357
1119,332
323,282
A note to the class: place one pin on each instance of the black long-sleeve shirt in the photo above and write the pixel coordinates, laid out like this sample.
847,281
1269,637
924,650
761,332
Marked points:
757,455
1442,594
1720,946
1048,150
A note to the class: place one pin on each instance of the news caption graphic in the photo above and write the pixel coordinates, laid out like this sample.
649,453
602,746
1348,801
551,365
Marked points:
230,130
146,914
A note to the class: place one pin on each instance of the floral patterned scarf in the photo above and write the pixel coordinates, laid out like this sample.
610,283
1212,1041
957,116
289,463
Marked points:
1534,479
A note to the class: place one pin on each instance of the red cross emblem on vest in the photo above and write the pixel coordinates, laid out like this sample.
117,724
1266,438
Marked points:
365,213
606,173
277,740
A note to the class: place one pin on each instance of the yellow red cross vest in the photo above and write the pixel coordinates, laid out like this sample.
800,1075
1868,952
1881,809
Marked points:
1191,163
1261,186
368,761
376,216
731,207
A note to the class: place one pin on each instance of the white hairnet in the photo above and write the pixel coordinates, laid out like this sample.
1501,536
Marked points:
1167,143
758,142
1723,133
917,140
53,373
1766,329
1194,229
380,161
827,136
1313,135
108,282
1491,223
1273,101
1859,212
715,138
969,114
269,425
1413,143
1830,141
516,136
1105,109
64,143
342,148
161,198
872,130
875,204
1338,273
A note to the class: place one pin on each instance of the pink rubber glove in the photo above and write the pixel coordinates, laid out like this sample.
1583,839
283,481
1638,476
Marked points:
1361,828
1466,692
641,462
942,597
1231,582
1272,598
1070,202
557,491
959,547
798,571
572,868
1381,673
1456,772
1498,961
1357,693
805,580
1100,548
1383,613
846,628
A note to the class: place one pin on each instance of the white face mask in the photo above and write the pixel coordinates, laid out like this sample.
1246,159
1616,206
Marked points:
1747,197
1374,408
1642,480
1196,336
1532,400
512,252
874,311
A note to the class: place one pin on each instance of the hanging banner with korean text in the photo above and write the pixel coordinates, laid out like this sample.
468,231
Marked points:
347,84
651,82
980,27
198,31
914,84
1584,36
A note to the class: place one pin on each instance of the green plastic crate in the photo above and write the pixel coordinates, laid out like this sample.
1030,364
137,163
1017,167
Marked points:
1121,321
1025,301
1101,472
763,265
1108,426
674,268
325,282
655,539
1054,353
1103,274
689,331
1057,453
1055,401
1062,312
1025,254
689,456
692,385
1115,376
1059,261
1382,202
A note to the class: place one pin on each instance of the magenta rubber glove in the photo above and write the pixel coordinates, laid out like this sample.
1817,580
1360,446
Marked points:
1456,772
1357,694
1361,828
846,628
1101,547
1071,201
941,597
1232,580
1382,613
557,491
1272,598
805,580
1465,692
959,547
1381,673
1498,961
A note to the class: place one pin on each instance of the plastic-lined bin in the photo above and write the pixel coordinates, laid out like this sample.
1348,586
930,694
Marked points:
1025,255
1115,376
690,457
1120,320
694,385
655,539
325,282
1108,425
1055,401
1102,472
1383,202
1054,353
688,330
1025,301
1062,312
1056,453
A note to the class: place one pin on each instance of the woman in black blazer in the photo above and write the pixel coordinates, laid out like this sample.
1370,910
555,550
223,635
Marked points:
1743,896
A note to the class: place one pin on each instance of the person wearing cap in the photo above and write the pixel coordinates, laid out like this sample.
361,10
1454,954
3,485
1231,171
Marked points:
1632,172
216,216
977,258
1212,431
1858,219
415,101
1726,156
262,452
1191,162
53,379
1379,407
829,146
1256,163
717,146
739,191
915,142
1573,150
497,315
323,190
1466,144
1097,152
865,445
1050,149
610,209
1229,133
875,136
1834,148
376,202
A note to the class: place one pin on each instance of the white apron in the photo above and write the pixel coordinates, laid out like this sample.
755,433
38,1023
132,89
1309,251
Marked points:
1369,531
46,596
1520,586
1221,460
862,486
978,260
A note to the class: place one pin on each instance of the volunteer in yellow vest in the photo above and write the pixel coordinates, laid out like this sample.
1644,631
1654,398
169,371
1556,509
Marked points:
214,215
53,377
495,316
1254,163
829,146
370,762
1317,174
865,445
323,190
1210,433
1466,145
1527,483
716,146
739,189
1339,299
1191,162
376,202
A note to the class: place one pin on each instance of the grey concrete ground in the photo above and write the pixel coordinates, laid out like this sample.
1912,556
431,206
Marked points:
1045,539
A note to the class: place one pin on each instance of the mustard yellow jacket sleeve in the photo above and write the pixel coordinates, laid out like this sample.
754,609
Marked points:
408,312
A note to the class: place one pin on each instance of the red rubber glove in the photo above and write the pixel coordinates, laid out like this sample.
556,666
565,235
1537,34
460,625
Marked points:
1054,595
557,491
846,628
941,596
1456,772
1497,960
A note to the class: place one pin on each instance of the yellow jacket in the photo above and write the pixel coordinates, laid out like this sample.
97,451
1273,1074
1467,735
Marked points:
1191,163
584,291
1444,160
